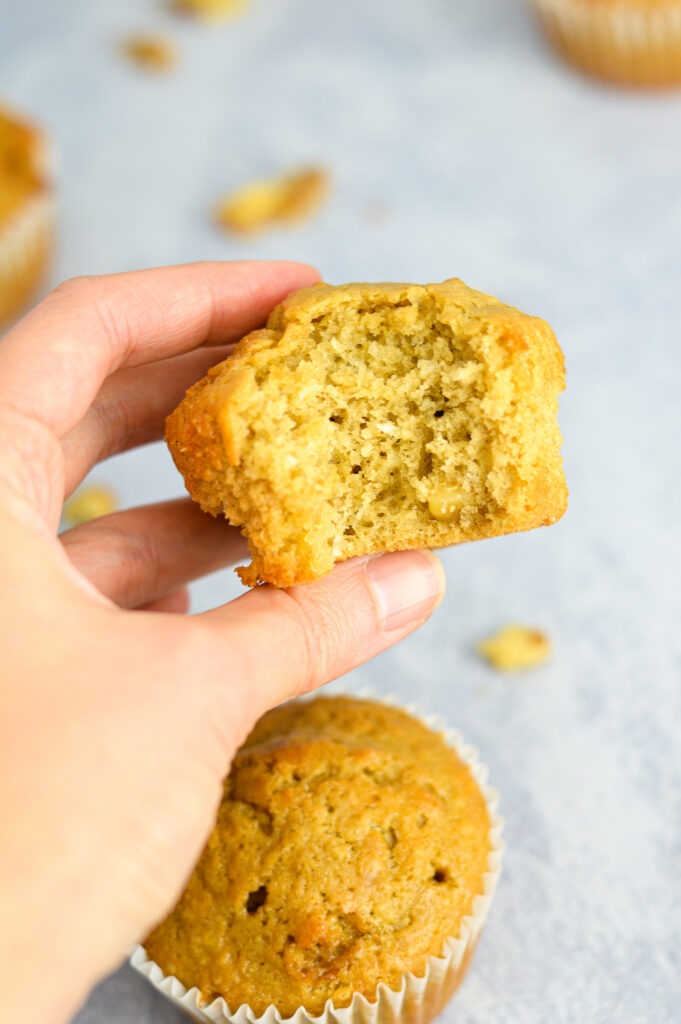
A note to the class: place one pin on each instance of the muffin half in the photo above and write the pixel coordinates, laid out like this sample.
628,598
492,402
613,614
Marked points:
371,418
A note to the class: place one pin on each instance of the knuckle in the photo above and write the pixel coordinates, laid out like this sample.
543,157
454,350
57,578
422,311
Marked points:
323,635
143,551
89,293
75,290
115,424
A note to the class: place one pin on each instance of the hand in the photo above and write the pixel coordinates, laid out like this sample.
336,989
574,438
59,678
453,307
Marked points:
117,726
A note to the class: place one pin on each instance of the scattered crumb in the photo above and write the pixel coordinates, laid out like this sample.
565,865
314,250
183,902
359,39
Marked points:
210,8
287,199
88,503
515,647
155,53
376,212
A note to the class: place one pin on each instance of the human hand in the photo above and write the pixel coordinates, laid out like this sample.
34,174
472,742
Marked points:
117,727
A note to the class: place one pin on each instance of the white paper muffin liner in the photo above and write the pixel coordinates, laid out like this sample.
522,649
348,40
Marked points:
418,999
619,42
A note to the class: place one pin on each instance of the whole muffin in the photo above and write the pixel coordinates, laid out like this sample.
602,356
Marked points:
631,42
26,213
376,417
350,843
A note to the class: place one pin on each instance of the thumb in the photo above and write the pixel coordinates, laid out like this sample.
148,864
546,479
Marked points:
281,643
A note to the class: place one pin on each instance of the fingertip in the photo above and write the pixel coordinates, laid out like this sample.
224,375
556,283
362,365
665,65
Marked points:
406,587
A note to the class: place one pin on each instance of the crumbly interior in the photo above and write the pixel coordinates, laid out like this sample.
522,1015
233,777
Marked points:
399,399
372,418
350,842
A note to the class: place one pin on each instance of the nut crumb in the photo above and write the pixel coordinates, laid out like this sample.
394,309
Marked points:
88,503
210,9
154,53
288,199
514,648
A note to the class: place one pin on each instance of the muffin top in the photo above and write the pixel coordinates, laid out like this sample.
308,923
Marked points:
21,163
350,843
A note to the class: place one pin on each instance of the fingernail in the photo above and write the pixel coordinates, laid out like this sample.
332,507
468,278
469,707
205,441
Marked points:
406,586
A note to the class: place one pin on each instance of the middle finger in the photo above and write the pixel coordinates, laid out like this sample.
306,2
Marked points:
140,555
130,410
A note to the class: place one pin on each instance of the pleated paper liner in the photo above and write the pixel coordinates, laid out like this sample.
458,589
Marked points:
626,43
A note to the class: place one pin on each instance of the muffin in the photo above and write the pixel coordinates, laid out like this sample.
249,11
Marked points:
26,214
632,42
353,846
376,417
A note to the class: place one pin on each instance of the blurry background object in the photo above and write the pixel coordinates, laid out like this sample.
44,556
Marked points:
210,8
632,42
273,202
26,212
152,52
514,648
89,502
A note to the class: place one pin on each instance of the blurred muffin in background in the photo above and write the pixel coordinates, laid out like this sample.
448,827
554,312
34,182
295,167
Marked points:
26,213
210,9
631,42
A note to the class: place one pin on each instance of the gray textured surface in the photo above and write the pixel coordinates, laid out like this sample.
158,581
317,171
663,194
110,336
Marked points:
500,166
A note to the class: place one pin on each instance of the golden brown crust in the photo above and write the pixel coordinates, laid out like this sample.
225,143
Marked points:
350,843
26,214
253,439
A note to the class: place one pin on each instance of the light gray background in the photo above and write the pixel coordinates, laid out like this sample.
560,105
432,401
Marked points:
563,197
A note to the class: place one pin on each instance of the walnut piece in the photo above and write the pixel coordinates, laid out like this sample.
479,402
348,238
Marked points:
90,502
514,648
287,199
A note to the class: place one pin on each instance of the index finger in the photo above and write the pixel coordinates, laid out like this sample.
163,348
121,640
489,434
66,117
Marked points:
55,360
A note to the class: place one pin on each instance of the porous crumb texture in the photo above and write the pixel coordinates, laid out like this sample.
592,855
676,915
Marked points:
350,843
368,418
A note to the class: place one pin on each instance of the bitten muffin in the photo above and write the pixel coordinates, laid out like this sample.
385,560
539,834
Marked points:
630,42
376,417
26,214
350,843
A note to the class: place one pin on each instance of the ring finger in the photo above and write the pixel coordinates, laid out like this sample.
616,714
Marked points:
130,410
